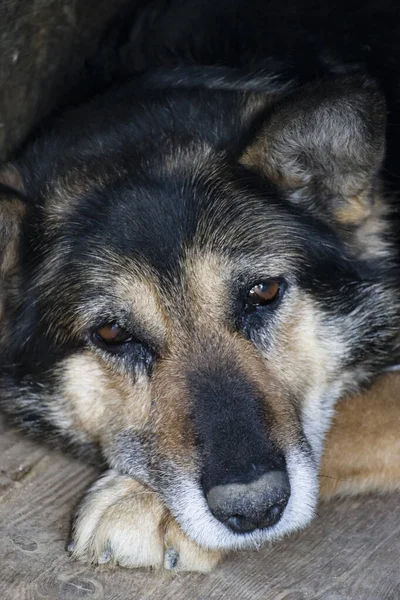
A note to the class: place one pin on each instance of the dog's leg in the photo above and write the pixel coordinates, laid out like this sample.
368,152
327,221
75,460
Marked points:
362,451
121,522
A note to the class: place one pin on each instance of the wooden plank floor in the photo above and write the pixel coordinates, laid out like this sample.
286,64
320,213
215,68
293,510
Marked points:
350,552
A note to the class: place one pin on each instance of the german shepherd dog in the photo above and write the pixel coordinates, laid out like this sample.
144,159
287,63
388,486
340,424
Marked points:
197,264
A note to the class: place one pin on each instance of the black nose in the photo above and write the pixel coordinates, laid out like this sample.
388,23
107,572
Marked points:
244,507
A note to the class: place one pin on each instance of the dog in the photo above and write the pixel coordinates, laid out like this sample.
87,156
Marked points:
197,265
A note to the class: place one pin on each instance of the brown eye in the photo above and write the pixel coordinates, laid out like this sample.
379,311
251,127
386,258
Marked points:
119,341
263,293
112,333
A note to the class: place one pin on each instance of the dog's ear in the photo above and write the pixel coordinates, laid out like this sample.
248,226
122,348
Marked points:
323,146
12,211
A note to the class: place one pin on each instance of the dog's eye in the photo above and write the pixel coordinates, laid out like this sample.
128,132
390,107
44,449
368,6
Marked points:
119,341
263,294
111,334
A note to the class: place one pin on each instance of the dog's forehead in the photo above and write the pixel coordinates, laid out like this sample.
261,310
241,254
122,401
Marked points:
166,249
200,287
155,218
192,232
151,197
184,222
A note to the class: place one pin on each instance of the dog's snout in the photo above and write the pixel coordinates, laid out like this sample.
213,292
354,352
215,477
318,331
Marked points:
245,507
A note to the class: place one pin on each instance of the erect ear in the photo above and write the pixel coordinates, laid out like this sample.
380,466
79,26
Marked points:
323,145
12,210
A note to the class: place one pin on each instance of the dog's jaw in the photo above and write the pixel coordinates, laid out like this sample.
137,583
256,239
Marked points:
188,505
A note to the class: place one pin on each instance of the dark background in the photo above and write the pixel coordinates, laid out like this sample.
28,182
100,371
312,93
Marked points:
43,48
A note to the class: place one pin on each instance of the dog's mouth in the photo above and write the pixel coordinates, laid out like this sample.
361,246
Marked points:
247,516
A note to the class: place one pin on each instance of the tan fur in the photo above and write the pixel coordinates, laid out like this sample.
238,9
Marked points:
135,286
63,194
372,232
92,392
362,451
354,210
206,286
194,341
307,369
92,389
190,326
11,177
254,158
297,338
121,522
206,344
189,156
140,294
311,145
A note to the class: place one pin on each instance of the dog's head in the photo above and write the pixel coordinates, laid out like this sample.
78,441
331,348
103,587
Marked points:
202,274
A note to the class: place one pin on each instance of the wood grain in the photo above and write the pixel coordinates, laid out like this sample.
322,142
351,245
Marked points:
43,47
350,552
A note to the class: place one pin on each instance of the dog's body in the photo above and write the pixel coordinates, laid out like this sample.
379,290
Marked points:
208,263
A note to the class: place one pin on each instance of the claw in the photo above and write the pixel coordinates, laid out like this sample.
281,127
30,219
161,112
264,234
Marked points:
106,556
171,558
71,546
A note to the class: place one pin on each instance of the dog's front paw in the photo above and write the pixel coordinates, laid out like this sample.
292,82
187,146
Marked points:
121,522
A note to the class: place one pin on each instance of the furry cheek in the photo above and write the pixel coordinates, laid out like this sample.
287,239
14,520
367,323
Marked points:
97,401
